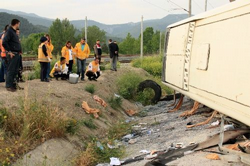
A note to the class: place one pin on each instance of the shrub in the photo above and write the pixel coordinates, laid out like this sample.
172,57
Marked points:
128,84
115,102
72,126
88,123
90,88
118,130
145,96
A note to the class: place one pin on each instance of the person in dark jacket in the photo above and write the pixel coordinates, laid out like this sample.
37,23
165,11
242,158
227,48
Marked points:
98,50
3,68
20,70
113,52
12,46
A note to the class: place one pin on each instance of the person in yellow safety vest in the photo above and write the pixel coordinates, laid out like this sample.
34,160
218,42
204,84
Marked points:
82,53
3,68
93,71
69,54
50,48
43,58
60,69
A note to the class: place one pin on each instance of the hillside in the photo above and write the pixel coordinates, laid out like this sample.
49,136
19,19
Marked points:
26,27
113,30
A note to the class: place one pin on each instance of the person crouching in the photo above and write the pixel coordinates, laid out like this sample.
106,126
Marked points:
93,71
60,70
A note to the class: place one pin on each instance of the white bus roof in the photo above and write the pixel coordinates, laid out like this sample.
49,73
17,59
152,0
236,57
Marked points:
225,8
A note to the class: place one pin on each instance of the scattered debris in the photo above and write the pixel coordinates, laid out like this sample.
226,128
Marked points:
89,110
99,100
228,127
130,112
114,161
99,145
145,151
132,141
179,145
213,156
216,123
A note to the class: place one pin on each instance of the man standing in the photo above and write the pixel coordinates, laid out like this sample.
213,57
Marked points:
12,46
69,55
3,69
82,53
98,50
113,52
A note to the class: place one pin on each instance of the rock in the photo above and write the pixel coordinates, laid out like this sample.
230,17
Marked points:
54,152
132,141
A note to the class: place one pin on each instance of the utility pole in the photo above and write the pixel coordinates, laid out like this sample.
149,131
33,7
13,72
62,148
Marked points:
141,37
205,5
190,8
86,28
160,44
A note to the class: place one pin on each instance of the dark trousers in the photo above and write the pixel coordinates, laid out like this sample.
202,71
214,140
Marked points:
44,68
3,69
63,76
92,76
99,57
20,70
12,70
81,66
70,66
48,70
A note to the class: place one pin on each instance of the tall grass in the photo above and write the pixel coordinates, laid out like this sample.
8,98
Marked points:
24,128
152,64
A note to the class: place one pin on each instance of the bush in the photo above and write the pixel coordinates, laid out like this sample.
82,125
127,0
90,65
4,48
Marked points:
152,64
145,97
90,88
115,102
88,123
128,84
31,124
72,126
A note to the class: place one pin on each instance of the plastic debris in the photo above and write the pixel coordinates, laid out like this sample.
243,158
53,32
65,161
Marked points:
116,95
114,161
145,151
179,145
99,145
126,138
228,127
216,123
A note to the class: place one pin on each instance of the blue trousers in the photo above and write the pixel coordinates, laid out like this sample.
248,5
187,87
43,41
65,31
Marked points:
48,70
81,66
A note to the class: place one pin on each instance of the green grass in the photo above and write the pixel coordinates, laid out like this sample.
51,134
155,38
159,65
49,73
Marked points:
90,88
115,102
88,123
128,84
152,64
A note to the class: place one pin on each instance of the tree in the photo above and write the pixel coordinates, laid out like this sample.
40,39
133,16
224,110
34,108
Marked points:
94,33
31,43
147,40
61,32
128,45
156,42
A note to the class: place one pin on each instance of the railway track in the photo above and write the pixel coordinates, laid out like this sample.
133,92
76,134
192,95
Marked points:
28,61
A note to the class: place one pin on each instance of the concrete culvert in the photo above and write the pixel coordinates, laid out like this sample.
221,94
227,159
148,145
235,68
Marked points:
153,85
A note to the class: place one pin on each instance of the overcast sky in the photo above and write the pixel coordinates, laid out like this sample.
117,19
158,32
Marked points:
107,11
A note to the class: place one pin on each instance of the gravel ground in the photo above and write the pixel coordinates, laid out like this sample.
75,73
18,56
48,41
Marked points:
169,128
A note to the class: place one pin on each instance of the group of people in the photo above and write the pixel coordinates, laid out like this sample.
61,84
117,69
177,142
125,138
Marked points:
11,58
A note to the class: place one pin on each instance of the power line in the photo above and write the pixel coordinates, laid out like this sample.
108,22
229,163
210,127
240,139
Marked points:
156,6
198,5
177,5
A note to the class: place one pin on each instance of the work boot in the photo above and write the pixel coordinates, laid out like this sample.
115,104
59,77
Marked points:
11,89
